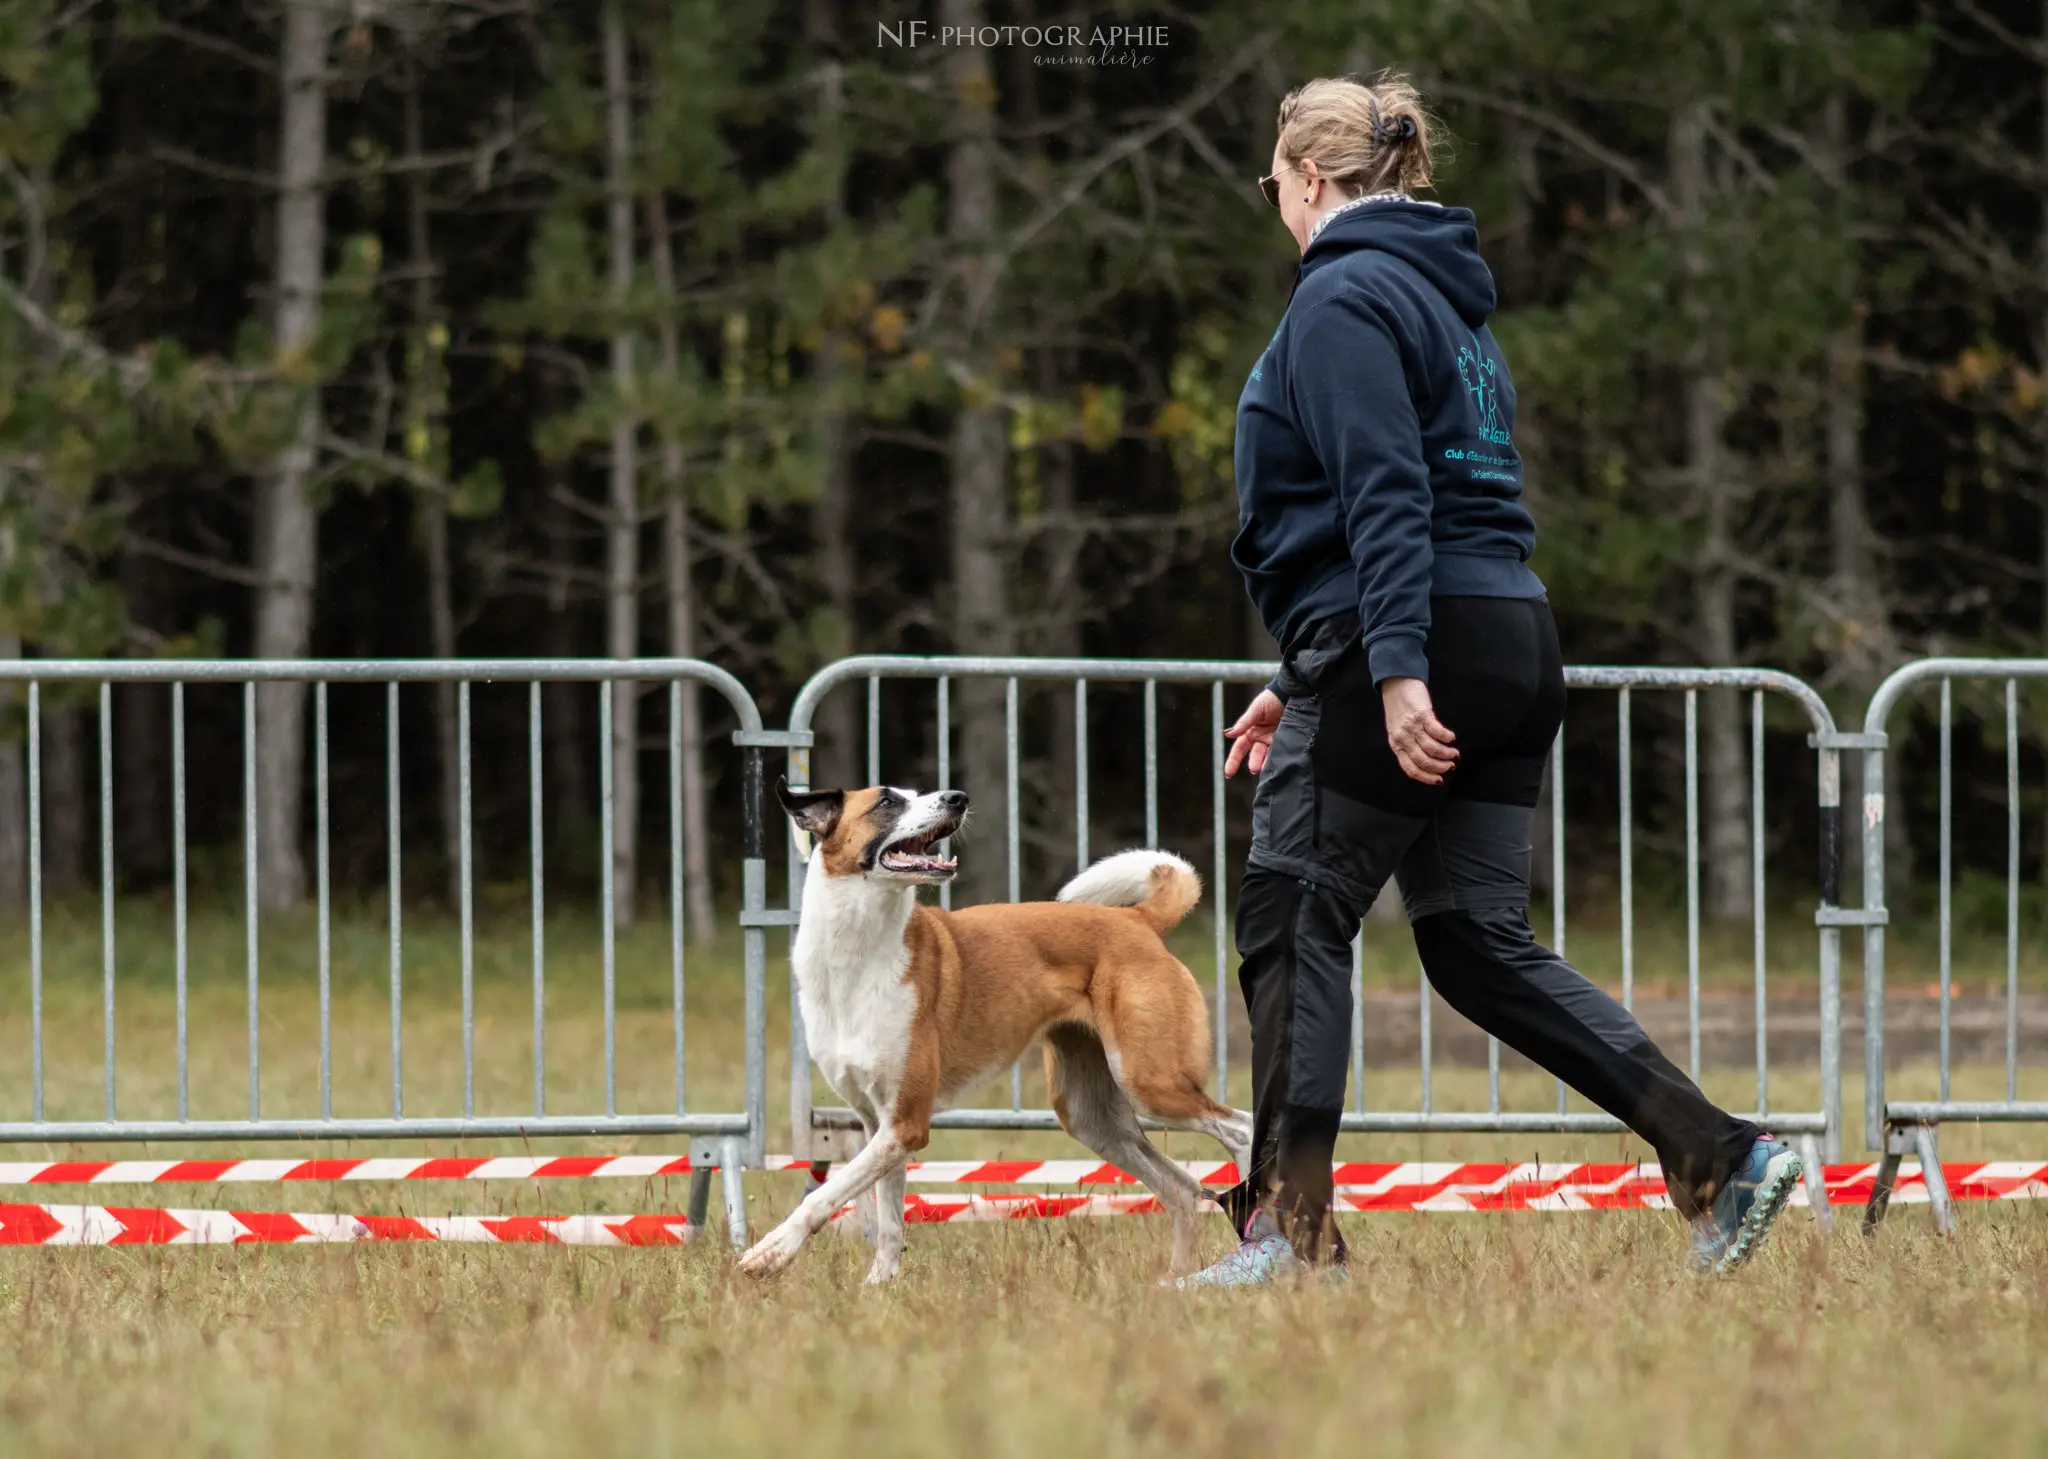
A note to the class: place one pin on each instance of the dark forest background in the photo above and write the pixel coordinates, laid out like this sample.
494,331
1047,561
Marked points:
767,333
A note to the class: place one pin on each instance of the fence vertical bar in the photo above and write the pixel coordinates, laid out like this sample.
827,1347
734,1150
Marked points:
35,896
536,896
1220,886
324,873
874,731
107,885
1013,831
466,851
945,773
1829,799
2012,889
1428,1050
609,918
1692,881
179,931
394,894
754,951
801,1134
1557,859
249,875
1151,763
1947,913
1625,732
1756,878
1872,820
675,872
1080,776
1358,1021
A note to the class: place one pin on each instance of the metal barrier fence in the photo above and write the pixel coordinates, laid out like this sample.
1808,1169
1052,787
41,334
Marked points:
1902,1127
728,1139
734,1139
1819,1130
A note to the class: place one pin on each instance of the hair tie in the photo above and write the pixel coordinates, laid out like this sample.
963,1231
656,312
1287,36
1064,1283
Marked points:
1400,129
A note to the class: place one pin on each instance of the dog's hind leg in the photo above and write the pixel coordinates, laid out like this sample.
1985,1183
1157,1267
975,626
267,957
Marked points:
1156,1034
1230,1128
1093,1108
1176,1099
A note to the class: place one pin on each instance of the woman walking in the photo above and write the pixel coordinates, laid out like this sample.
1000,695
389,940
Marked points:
1383,538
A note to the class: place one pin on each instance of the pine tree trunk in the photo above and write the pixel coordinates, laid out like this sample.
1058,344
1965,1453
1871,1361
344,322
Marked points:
1063,606
1865,647
1724,760
286,522
432,506
622,532
2041,366
682,599
836,761
977,461
1057,598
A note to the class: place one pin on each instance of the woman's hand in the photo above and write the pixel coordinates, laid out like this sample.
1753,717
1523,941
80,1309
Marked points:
1252,736
1414,733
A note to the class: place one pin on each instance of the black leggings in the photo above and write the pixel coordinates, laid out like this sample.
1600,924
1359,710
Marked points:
1335,816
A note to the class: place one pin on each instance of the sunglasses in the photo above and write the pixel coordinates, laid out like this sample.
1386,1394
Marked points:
1269,187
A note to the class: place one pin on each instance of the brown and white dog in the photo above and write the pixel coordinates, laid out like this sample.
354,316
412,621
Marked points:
908,1008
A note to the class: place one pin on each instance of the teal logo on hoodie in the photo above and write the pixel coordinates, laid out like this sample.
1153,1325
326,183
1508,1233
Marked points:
1481,373
1259,369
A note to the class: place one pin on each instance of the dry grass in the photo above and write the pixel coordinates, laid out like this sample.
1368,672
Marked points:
1457,1335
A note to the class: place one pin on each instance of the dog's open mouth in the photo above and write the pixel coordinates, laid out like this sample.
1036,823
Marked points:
915,856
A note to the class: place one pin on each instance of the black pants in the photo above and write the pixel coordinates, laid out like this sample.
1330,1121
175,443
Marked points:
1335,816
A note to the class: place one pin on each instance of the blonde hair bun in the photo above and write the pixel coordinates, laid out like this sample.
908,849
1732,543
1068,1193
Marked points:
1363,136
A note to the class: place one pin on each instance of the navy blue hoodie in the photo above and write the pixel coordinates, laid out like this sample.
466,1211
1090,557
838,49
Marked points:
1375,450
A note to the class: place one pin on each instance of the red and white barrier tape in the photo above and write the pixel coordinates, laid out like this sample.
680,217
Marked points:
127,1226
1364,1187
1437,1187
1367,1185
497,1167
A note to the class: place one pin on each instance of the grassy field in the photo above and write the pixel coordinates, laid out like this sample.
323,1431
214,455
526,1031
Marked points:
1456,1336
1532,1334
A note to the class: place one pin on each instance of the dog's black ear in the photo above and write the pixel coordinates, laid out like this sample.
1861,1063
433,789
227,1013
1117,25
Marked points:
814,811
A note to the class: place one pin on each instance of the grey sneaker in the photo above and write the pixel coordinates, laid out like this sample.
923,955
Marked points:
1259,1261
1746,1207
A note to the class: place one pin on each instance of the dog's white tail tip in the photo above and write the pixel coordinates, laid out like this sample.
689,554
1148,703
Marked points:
1133,879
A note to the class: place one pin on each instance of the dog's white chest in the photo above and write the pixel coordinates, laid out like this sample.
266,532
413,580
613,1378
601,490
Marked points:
858,1005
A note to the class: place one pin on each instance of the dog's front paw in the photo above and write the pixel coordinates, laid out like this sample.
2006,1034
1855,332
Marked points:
772,1252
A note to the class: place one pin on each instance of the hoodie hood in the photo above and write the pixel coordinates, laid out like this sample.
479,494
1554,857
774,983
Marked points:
1441,244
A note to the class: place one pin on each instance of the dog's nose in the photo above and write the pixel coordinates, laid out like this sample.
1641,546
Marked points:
953,800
